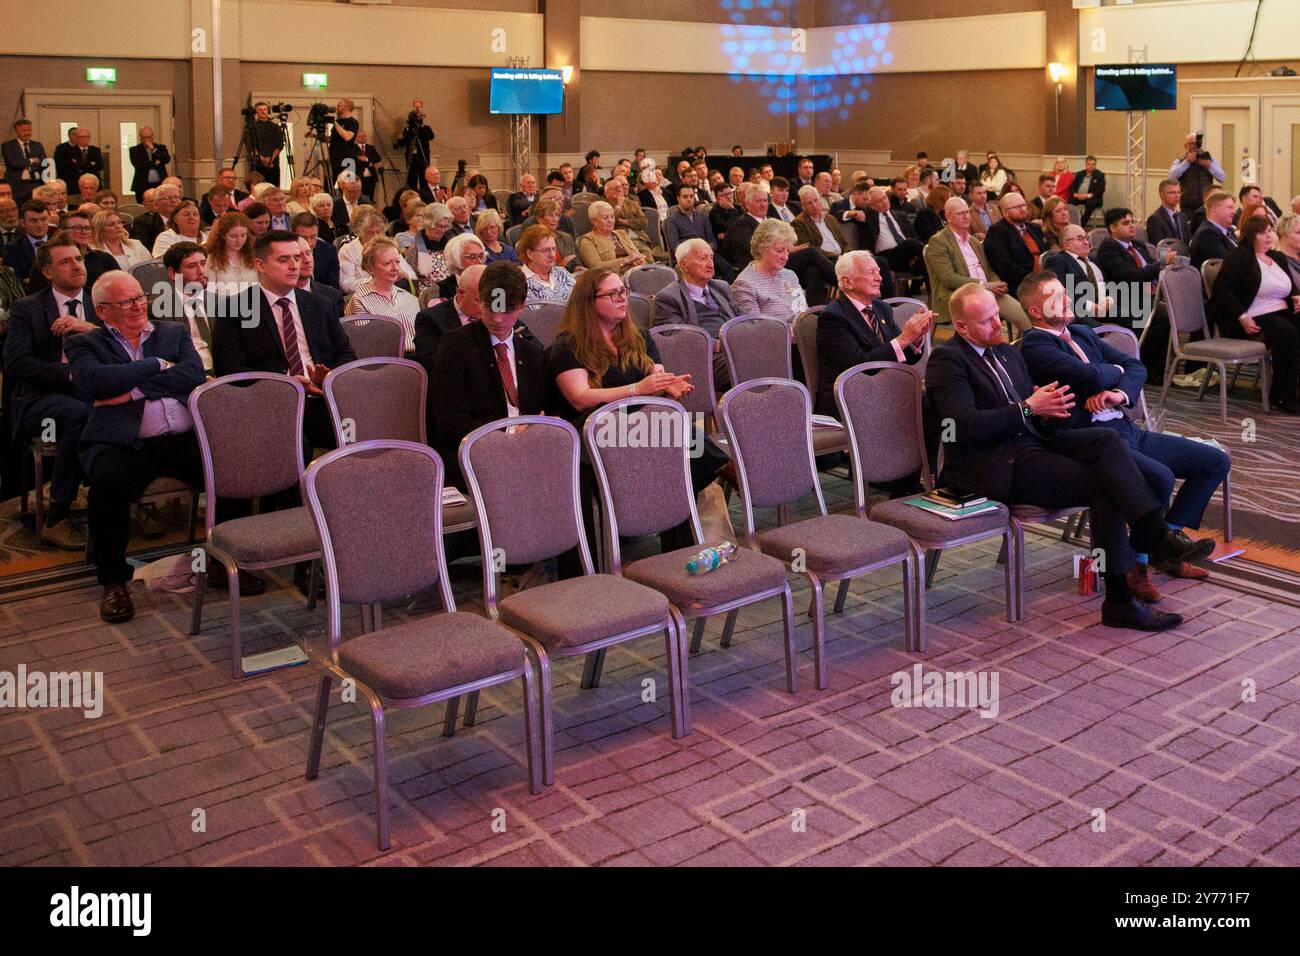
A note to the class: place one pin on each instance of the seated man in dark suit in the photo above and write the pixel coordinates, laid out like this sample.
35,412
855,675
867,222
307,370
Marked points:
1107,381
1081,277
139,377
307,281
1088,189
685,222
1169,221
216,202
1004,444
349,198
723,213
698,299
889,235
45,405
1128,267
20,256
325,258
484,370
148,227
1013,244
859,327
77,226
273,327
1215,238
520,202
431,323
187,300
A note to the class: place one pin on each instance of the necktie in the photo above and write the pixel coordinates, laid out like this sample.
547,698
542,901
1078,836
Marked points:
1008,388
201,320
1232,240
869,315
1178,229
1033,246
507,373
893,228
290,334
1137,257
1068,340
72,307
72,311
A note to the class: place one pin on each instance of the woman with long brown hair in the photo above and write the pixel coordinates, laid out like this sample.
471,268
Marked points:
230,253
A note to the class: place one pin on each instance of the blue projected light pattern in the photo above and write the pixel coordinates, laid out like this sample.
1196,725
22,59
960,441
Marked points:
759,46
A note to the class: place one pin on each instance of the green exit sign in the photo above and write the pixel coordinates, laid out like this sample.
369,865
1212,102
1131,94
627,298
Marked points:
101,74
315,81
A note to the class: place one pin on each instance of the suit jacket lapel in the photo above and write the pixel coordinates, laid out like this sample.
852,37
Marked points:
273,326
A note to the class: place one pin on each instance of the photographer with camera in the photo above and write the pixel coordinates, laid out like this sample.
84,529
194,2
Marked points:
266,141
1195,172
415,139
343,138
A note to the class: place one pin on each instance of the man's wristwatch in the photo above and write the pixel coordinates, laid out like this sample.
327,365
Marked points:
1025,411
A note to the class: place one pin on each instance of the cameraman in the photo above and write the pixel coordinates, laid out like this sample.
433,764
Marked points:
1196,172
415,138
343,139
268,141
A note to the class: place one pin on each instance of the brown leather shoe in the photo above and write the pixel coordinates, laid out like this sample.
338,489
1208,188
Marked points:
64,535
115,606
1186,569
1140,583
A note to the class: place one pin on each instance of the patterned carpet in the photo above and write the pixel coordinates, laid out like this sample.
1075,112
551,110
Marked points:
1109,747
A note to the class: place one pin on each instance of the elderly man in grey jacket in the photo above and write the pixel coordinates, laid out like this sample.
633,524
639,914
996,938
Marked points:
698,299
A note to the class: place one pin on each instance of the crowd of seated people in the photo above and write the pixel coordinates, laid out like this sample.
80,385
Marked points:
981,253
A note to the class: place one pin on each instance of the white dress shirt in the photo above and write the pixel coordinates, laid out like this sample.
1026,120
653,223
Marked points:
191,305
972,260
509,341
303,351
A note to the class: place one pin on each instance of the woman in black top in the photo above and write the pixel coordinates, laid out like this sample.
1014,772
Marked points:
1256,295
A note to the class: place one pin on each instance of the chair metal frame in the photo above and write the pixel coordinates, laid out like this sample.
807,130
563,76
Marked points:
361,319
361,366
614,550
673,626
914,639
210,515
812,374
928,550
331,667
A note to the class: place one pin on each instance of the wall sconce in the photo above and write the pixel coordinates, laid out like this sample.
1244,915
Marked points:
1057,72
567,71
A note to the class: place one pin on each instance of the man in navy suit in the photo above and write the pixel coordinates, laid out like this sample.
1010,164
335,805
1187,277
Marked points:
1169,221
1005,444
859,327
307,281
24,159
1127,264
45,405
138,377
1081,276
1107,381
1013,244
1215,238
325,258
274,327
20,256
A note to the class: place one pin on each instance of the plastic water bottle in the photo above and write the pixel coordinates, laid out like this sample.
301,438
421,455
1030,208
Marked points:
708,559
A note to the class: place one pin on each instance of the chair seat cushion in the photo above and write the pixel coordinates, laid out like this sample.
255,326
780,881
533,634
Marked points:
835,544
1035,513
165,486
826,440
1243,349
431,654
747,573
266,538
578,611
925,526
461,515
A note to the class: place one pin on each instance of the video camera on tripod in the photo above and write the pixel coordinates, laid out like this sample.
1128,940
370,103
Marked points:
319,117
279,110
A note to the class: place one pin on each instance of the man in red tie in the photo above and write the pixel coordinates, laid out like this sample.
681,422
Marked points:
1129,265
1013,244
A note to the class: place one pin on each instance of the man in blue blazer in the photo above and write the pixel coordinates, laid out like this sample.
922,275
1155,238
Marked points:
1081,276
1106,381
24,159
1215,237
20,255
44,403
138,377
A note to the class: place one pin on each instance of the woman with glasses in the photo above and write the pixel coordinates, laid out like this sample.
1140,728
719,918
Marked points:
461,252
423,245
367,224
488,228
107,234
380,294
606,247
537,250
186,224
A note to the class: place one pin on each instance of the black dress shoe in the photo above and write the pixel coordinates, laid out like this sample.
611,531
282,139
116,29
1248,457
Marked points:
250,585
1195,550
1139,616
115,606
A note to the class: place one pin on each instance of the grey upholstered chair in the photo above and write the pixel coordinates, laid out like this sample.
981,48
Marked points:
826,439
1124,340
152,276
375,507
543,320
756,347
1210,274
647,490
1180,286
904,308
373,336
429,297
524,483
688,350
642,308
249,428
377,398
768,425
650,279
880,405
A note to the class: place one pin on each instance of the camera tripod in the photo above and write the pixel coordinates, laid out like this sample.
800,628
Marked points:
318,159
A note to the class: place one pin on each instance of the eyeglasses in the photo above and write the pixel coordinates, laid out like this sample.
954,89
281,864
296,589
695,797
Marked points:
473,257
615,295
138,302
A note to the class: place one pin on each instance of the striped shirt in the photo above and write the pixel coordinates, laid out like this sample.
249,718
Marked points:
402,306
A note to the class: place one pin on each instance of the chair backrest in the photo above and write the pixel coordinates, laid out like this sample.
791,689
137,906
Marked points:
377,507
581,219
543,320
852,235
1124,340
650,278
583,198
377,399
503,201
1180,248
127,219
1140,234
645,485
1075,214
152,276
131,209
1096,237
688,349
1209,274
343,240
249,427
429,297
652,227
525,491
1181,288
756,347
374,336
513,233
768,422
805,335
904,308
642,309
880,406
